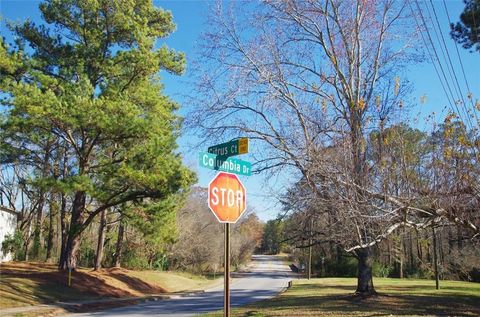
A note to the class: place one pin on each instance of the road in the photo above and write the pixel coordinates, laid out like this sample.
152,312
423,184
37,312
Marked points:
266,277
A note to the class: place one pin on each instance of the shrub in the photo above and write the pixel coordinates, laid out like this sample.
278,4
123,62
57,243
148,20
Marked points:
345,267
381,270
13,244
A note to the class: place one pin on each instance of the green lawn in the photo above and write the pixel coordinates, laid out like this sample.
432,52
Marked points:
397,297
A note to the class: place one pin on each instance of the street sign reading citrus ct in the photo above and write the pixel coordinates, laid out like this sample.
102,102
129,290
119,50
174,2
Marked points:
227,197
234,147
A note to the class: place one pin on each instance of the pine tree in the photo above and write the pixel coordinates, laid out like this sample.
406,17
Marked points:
91,83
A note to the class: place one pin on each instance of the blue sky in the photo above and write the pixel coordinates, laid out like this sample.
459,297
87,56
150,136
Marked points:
190,18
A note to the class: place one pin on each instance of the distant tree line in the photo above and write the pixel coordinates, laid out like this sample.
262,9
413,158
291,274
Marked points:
429,165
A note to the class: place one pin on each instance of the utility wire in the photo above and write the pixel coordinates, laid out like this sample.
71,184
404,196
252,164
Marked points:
437,59
453,75
461,65
430,54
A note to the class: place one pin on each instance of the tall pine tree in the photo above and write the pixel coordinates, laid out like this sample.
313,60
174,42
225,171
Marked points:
91,83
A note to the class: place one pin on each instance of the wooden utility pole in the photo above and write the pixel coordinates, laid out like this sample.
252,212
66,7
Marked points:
435,259
310,251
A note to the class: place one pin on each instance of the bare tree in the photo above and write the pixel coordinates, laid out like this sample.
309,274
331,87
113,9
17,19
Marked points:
309,81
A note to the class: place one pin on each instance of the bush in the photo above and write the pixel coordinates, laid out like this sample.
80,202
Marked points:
346,267
381,270
423,271
86,257
13,243
161,263
133,259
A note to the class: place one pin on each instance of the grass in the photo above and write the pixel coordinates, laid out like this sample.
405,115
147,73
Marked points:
31,283
333,297
174,282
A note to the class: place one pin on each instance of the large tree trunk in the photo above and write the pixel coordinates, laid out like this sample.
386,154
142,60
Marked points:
63,228
51,229
37,233
63,213
101,240
119,246
76,227
26,244
37,240
364,278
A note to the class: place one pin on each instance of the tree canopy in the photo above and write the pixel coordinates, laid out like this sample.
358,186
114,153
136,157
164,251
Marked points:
86,98
467,30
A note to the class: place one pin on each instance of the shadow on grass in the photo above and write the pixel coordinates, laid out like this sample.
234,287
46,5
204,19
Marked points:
137,284
321,287
381,305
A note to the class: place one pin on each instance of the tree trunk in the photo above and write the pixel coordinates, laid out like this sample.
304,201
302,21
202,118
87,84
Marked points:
37,240
76,227
37,233
400,268
63,228
71,253
119,246
63,212
364,278
26,244
101,240
410,252
51,230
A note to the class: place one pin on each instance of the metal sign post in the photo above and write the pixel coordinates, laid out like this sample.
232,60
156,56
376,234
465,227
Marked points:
227,197
226,296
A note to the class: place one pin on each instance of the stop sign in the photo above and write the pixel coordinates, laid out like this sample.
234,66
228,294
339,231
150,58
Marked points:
227,197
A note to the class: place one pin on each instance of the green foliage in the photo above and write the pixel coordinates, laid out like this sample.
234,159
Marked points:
133,257
86,256
90,95
381,270
272,237
467,31
346,266
13,243
37,251
423,271
161,262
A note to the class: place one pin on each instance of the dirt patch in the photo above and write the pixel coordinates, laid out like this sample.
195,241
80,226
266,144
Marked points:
43,283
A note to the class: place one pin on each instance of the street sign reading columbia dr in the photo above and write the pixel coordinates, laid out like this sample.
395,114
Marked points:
221,163
231,148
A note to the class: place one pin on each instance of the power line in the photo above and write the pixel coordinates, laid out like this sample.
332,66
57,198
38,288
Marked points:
438,60
449,62
430,55
461,65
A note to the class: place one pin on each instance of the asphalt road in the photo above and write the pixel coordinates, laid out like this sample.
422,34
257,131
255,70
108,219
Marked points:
266,277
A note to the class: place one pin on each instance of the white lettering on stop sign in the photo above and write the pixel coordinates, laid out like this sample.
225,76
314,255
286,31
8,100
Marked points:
226,197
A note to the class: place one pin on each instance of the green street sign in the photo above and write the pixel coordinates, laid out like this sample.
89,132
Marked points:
221,163
235,147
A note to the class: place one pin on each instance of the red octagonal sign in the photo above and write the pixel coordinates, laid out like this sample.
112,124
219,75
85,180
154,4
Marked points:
227,197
